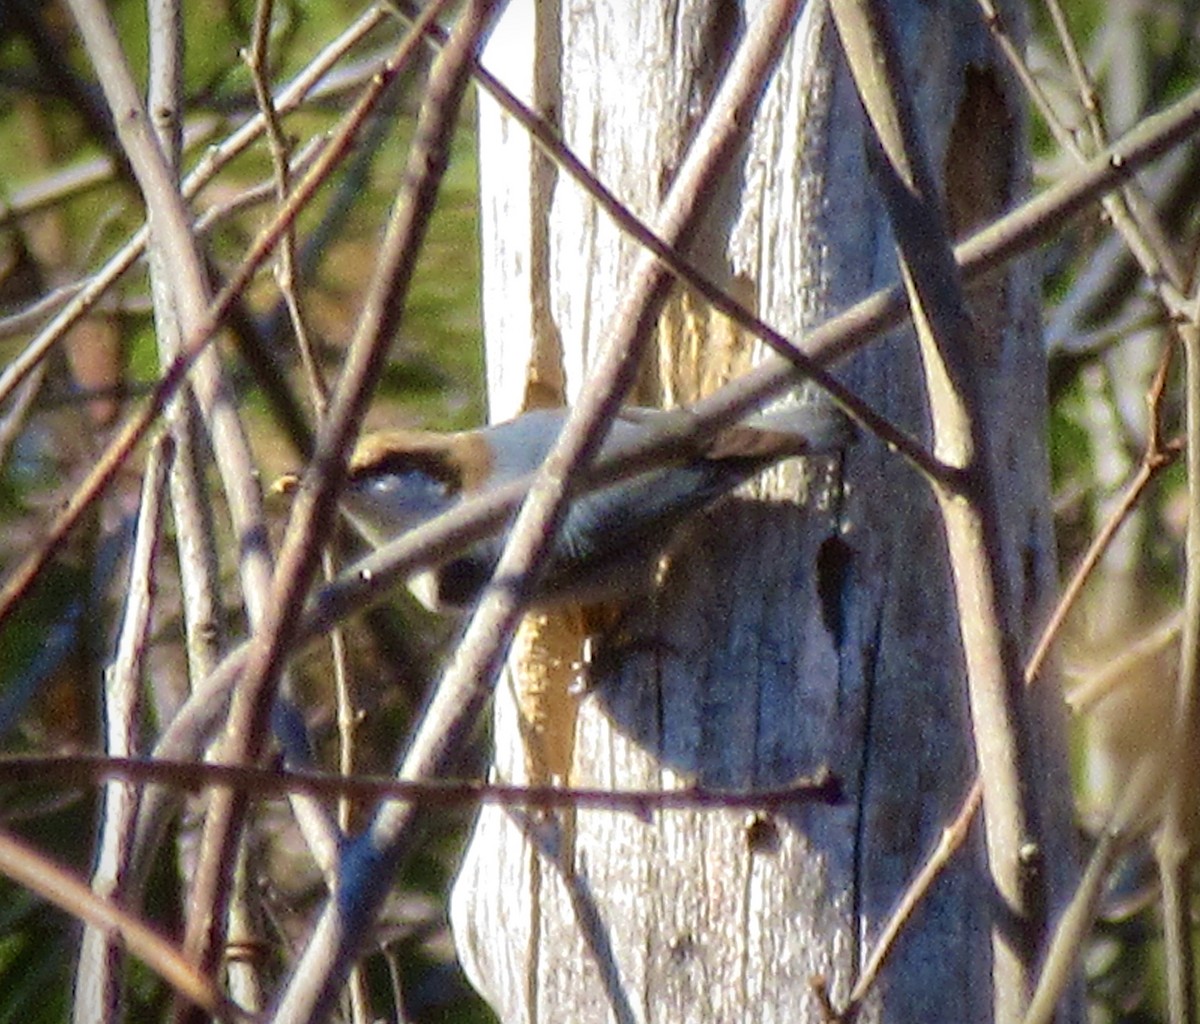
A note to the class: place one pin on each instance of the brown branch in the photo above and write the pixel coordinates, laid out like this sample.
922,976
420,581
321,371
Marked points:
78,770
247,730
367,581
952,839
969,509
1156,457
97,975
55,884
140,423
1174,845
1130,211
467,684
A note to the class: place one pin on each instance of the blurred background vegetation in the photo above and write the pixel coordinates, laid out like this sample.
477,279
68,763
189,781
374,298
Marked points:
69,203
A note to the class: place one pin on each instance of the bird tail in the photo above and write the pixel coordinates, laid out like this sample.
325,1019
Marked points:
814,427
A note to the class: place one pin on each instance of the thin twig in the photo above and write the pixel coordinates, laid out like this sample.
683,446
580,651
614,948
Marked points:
71,182
368,580
258,62
140,422
464,689
182,308
246,732
97,995
1127,820
1083,81
951,841
1156,457
970,510
37,873
1072,930
1173,844
13,421
549,139
1129,210
1083,698
84,770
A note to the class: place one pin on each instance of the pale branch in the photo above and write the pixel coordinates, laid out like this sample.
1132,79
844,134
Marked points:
969,506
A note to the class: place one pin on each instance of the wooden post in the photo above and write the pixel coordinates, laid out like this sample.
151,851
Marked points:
808,622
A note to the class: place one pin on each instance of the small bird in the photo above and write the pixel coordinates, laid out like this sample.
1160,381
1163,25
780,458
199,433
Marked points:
611,540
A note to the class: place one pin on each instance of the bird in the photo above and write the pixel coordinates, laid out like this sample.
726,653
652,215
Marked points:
611,540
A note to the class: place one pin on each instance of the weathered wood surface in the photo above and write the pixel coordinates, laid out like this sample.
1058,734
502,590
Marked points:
807,623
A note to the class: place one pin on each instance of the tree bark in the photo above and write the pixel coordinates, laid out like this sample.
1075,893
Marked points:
809,621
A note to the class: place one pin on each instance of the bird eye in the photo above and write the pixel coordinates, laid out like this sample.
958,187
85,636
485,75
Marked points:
385,501
411,489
